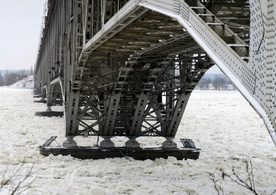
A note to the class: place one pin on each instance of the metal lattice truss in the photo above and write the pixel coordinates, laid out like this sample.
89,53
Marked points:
127,68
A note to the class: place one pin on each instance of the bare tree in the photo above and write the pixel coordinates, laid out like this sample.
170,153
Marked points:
220,82
9,78
5,181
247,183
217,185
2,81
204,83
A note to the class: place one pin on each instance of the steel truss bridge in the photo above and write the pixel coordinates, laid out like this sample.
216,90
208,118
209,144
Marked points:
128,67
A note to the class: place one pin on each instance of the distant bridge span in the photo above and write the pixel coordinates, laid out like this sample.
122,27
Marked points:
128,67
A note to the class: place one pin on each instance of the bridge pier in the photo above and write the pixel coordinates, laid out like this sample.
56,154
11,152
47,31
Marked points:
96,152
169,143
132,143
107,143
69,142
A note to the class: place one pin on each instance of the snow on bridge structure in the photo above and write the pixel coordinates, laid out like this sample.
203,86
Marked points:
128,67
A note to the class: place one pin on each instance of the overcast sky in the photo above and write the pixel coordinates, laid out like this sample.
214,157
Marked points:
20,27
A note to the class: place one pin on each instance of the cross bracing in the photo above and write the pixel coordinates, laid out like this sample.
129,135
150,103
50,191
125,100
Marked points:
127,68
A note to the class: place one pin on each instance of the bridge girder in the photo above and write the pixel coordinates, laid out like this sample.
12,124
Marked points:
127,68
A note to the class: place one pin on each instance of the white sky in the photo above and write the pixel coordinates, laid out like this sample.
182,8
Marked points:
20,27
214,70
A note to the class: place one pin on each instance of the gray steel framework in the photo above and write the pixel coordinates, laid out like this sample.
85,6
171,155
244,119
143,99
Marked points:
124,69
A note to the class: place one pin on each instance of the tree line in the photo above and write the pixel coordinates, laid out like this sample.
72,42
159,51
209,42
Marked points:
9,77
218,82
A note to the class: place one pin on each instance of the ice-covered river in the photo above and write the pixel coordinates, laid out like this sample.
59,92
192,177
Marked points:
222,124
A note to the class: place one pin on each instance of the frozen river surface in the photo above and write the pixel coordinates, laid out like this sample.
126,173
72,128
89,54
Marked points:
222,124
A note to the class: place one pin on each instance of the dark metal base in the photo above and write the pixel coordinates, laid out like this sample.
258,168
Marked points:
138,154
102,153
49,114
40,101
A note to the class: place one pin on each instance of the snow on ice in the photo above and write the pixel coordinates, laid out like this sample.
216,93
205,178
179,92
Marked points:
222,124
27,83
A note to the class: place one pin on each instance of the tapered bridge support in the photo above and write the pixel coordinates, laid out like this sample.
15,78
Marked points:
69,142
169,143
132,143
107,143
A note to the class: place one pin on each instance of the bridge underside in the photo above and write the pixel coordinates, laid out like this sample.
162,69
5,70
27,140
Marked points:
127,68
139,81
